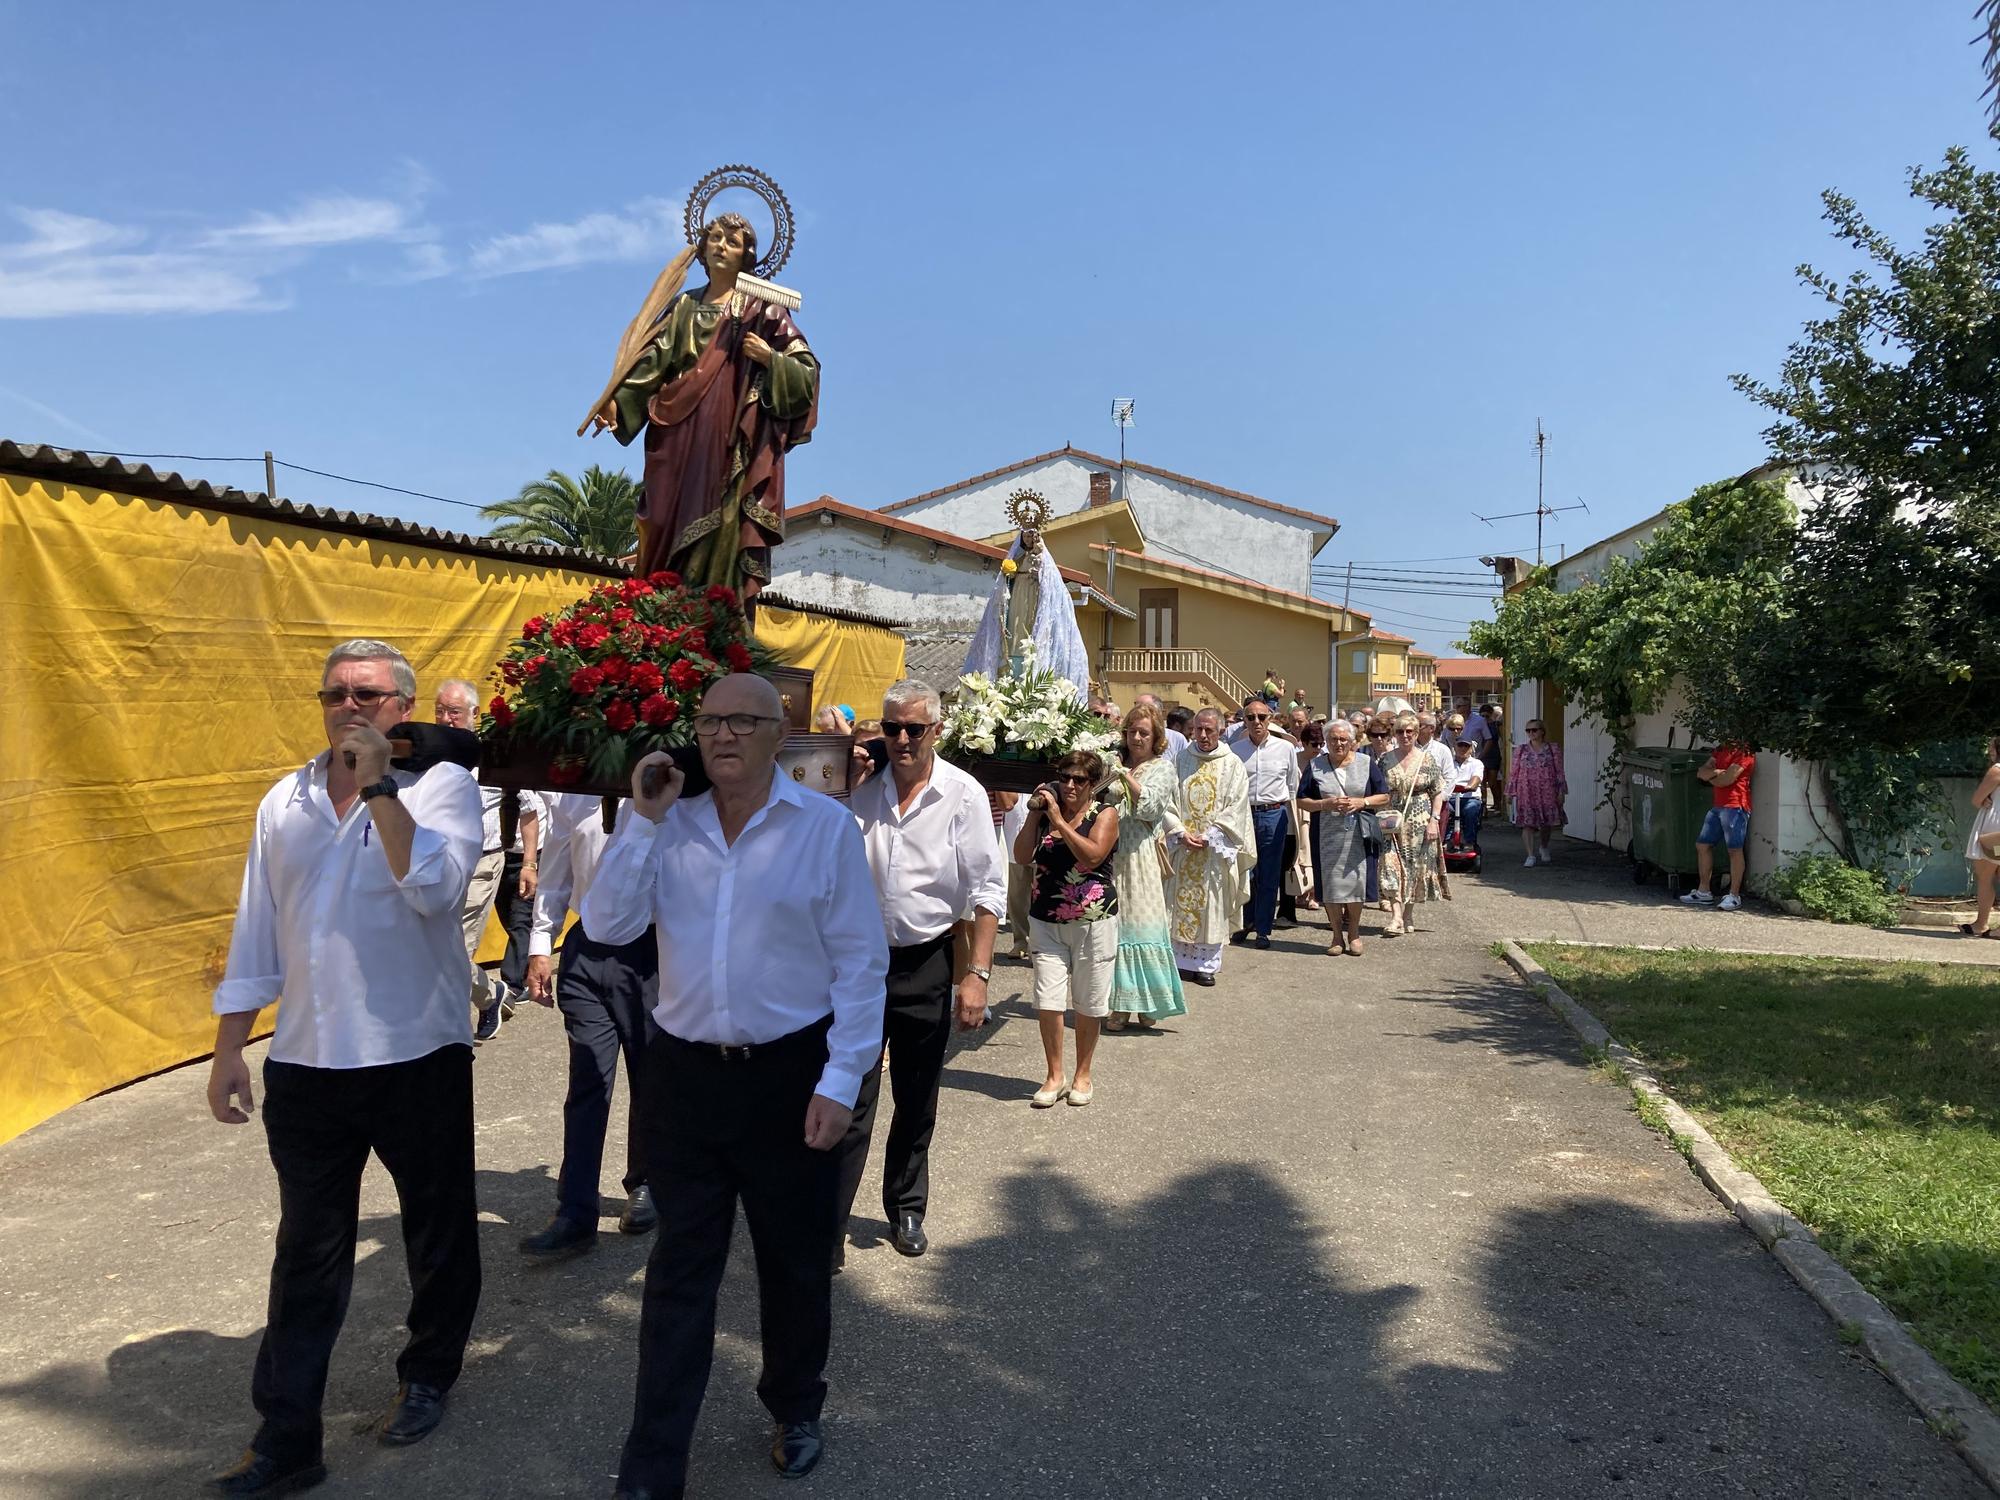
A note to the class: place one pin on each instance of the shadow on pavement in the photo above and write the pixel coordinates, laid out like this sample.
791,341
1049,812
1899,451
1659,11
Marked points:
1209,1339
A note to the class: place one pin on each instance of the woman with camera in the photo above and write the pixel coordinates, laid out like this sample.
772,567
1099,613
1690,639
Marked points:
1069,842
1346,790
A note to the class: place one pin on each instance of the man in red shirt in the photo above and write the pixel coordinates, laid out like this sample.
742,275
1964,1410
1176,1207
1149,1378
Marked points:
1728,822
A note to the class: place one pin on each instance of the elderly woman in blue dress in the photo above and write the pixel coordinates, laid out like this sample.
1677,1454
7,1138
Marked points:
1344,786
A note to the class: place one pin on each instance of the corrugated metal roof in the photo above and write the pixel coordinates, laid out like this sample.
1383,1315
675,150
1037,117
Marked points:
37,461
777,600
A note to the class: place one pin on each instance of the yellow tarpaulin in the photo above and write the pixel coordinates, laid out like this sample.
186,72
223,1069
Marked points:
158,668
851,662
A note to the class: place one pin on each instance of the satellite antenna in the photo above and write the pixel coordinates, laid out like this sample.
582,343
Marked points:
1121,418
1543,510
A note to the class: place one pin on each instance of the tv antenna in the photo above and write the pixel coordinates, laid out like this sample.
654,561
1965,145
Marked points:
1121,418
1543,510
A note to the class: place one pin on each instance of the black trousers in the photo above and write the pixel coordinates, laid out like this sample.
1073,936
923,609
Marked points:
606,995
516,916
321,1124
916,1025
718,1129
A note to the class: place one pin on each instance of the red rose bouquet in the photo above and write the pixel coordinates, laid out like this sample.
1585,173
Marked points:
618,673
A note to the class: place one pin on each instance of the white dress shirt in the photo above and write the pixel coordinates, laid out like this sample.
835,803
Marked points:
936,863
1468,775
372,969
759,938
1442,758
489,817
1176,742
573,840
1273,768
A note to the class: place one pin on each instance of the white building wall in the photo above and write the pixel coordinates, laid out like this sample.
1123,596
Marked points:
848,566
1183,522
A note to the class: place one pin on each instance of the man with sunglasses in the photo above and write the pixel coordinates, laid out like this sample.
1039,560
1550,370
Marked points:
770,1010
350,911
1271,765
928,828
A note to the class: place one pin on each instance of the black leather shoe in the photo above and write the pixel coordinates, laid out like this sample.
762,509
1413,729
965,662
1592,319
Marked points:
640,1217
646,1492
795,1448
419,1408
1240,938
1206,981
561,1240
258,1474
909,1237
1263,940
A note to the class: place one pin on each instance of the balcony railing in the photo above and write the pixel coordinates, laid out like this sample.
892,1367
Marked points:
1174,662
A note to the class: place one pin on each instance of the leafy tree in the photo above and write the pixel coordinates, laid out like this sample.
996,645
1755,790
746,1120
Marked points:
1890,407
597,515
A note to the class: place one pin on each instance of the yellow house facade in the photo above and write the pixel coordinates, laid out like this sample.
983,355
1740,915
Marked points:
1373,664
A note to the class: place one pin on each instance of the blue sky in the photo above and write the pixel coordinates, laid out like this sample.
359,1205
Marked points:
1342,256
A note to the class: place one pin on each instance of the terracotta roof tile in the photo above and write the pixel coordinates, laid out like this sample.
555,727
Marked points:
1066,451
826,504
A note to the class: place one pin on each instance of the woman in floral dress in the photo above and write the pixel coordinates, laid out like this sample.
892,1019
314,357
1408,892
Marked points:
1145,984
1410,854
1539,790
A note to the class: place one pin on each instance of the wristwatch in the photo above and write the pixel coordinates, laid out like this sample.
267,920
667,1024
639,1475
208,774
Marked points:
985,974
386,787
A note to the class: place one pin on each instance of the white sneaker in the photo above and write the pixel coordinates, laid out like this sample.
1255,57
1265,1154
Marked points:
1698,898
1528,863
1548,858
1730,902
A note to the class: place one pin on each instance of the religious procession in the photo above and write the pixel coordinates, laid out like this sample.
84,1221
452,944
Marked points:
1084,979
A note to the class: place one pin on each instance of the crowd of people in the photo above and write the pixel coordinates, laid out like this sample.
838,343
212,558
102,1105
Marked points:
753,953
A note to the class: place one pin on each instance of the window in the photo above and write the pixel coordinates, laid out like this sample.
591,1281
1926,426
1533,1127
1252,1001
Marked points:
1361,663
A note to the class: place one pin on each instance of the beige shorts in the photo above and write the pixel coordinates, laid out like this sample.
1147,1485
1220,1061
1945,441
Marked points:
1073,964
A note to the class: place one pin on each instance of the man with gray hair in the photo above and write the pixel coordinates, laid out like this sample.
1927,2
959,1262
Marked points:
348,922
504,880
928,829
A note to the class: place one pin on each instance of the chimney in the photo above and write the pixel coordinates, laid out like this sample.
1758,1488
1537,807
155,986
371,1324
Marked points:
1100,489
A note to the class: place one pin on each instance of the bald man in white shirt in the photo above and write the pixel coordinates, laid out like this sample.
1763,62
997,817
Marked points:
771,983
350,911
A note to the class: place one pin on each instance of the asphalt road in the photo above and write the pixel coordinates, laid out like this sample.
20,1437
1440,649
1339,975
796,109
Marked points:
1366,1227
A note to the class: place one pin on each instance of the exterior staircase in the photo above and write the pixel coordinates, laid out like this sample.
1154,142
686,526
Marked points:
1177,674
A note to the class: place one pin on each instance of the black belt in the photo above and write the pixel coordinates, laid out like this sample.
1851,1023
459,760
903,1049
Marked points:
813,1036
1267,806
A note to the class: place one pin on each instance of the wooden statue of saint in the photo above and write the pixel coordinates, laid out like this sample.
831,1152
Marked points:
724,388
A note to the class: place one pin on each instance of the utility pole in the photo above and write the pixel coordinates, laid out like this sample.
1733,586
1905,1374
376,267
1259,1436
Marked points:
1541,505
1348,592
270,477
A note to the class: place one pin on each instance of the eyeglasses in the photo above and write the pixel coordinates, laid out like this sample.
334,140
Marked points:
1071,778
892,729
1378,734
1534,729
709,725
363,697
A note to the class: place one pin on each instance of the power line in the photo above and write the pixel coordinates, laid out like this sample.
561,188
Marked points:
196,458
1376,567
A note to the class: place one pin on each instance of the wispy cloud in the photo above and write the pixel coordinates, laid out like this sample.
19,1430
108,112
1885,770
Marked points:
642,231
69,265
49,413
336,219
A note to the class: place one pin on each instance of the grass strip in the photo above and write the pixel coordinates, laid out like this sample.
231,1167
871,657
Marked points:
1865,1094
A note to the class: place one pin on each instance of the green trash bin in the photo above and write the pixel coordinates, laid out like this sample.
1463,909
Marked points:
1667,805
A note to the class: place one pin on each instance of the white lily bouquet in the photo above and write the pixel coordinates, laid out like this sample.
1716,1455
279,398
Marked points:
1028,713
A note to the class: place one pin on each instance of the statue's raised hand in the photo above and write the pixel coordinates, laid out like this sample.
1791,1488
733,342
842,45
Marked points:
605,420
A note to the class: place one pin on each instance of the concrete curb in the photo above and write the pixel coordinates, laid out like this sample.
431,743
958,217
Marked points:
1952,1411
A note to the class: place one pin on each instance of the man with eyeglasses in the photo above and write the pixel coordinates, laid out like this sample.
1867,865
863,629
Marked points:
772,961
350,912
928,828
504,880
1271,766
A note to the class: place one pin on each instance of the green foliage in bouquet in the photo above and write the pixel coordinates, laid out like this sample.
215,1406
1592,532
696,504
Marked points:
1033,711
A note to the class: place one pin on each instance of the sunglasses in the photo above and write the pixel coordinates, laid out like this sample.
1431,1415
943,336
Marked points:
892,729
1072,778
1378,734
1534,729
363,697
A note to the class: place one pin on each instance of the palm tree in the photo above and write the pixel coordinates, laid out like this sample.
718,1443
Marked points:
1989,20
597,515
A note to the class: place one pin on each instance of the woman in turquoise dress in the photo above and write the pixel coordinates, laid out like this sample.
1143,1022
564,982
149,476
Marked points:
1145,983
